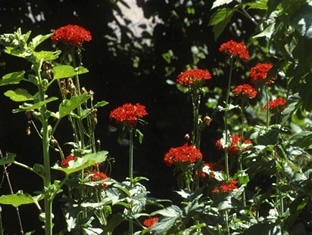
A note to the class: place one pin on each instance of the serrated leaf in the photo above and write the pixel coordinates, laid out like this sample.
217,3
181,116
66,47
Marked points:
47,55
67,106
66,71
218,3
82,162
19,95
17,199
39,39
12,78
26,106
260,5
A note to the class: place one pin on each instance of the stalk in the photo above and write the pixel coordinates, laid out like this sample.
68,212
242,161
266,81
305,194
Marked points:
243,119
46,155
225,118
1,227
196,132
267,107
131,173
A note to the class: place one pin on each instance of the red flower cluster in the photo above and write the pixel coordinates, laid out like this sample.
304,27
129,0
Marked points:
276,103
128,113
64,163
71,34
150,222
226,187
190,76
245,89
97,175
237,49
212,167
236,144
260,72
184,153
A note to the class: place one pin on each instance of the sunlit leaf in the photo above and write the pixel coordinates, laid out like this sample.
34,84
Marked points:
219,20
47,55
67,106
39,39
82,162
100,104
26,106
19,95
12,78
17,199
218,3
66,71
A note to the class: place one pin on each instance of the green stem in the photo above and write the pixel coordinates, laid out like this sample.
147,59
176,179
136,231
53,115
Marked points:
243,119
267,107
226,153
28,168
131,157
46,155
131,174
227,227
1,227
196,132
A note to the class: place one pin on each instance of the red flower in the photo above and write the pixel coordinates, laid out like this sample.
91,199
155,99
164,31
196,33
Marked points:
275,104
260,72
236,144
71,34
237,49
190,76
150,222
64,163
226,187
128,114
184,153
245,89
97,175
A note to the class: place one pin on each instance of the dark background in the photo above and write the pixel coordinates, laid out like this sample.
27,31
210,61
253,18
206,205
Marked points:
114,78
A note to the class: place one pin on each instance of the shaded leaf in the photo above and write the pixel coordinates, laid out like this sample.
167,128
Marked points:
26,106
219,20
8,158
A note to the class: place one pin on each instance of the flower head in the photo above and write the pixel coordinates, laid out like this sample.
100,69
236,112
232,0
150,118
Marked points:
71,34
185,153
150,222
278,103
97,176
236,144
128,114
245,90
64,163
191,76
260,72
237,49
226,187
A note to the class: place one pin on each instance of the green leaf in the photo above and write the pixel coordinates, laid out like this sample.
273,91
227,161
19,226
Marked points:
302,21
100,104
302,139
19,95
218,3
82,162
263,229
112,223
17,199
36,41
26,106
8,158
292,105
219,20
47,55
12,78
260,5
66,71
267,32
67,106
